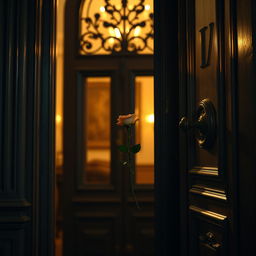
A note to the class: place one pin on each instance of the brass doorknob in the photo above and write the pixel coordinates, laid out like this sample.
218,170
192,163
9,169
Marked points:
200,124
204,123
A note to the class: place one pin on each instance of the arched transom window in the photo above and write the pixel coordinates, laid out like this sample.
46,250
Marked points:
116,27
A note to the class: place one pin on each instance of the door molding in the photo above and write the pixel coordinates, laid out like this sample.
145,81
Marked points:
27,45
44,122
166,128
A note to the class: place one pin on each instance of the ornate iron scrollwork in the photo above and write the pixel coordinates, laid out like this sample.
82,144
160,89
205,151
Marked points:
125,23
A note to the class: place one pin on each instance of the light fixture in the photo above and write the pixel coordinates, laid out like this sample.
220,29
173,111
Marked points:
150,118
102,9
147,7
132,25
58,119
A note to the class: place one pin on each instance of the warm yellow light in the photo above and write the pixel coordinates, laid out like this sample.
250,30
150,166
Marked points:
111,31
102,9
58,119
111,40
117,32
150,118
147,7
137,31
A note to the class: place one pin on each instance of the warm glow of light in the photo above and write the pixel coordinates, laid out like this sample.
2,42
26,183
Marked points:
117,32
102,9
137,31
147,7
58,119
244,43
150,118
111,31
111,40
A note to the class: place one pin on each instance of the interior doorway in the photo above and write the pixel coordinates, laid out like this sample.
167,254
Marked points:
99,211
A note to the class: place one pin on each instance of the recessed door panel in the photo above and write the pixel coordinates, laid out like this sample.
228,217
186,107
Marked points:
208,233
206,50
206,59
96,235
205,81
97,158
93,134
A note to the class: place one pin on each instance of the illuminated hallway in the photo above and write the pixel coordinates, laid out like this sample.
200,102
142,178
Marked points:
186,68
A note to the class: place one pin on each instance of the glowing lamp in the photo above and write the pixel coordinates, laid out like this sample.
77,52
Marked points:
150,118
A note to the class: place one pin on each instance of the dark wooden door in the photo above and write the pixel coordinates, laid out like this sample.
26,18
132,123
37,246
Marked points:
208,214
100,213
208,196
26,127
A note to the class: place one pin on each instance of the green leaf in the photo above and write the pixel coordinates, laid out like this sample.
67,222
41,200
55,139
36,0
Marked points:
136,148
123,148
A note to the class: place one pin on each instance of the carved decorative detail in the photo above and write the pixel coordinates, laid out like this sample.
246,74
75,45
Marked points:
124,23
206,171
210,239
208,192
205,59
207,213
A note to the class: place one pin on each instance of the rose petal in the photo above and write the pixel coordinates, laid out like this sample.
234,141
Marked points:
127,119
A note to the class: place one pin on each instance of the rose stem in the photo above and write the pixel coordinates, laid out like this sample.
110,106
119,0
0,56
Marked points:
131,172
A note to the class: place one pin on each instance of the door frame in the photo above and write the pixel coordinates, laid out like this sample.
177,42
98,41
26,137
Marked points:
169,61
166,132
167,180
44,162
40,121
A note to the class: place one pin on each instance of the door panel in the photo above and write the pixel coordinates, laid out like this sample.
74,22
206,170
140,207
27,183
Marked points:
100,214
102,217
96,234
206,50
93,131
97,143
209,232
206,68
142,233
92,222
205,80
208,209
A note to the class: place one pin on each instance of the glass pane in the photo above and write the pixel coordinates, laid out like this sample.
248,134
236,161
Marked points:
116,26
144,108
97,130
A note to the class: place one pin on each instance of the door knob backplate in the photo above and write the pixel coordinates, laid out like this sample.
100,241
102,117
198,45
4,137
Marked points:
205,124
